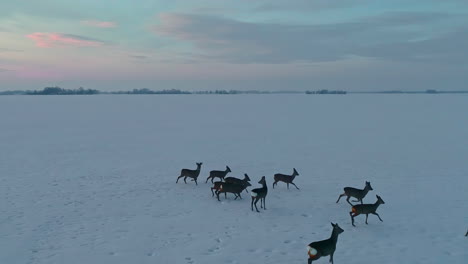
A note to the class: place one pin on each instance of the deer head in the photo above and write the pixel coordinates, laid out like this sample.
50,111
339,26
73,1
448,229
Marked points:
295,172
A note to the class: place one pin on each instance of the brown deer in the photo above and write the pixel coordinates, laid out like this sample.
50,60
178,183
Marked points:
218,174
238,181
366,209
190,173
319,249
356,193
288,179
259,194
234,188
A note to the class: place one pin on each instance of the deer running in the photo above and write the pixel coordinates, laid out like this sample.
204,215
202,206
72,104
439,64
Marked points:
190,173
259,194
356,193
288,179
366,209
318,249
218,174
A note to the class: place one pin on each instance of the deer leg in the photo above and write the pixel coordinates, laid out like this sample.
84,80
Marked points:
196,183
217,196
251,203
352,218
212,193
264,205
331,257
207,179
225,195
239,195
367,215
274,184
347,199
185,179
381,218
341,195
295,185
179,178
361,201
287,185
255,203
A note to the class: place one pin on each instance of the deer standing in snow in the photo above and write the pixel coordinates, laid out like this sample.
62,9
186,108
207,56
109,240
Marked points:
259,194
318,249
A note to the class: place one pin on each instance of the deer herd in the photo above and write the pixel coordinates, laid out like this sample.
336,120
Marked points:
236,186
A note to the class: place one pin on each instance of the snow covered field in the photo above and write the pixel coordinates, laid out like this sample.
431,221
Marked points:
91,179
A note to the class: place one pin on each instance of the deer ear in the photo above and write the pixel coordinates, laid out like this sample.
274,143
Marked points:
332,224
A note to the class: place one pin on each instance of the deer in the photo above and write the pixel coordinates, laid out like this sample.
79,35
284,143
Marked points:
234,188
238,181
366,209
218,174
259,194
244,181
190,173
326,247
356,193
288,179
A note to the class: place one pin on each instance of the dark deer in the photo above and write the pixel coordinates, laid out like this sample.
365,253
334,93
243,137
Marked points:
259,194
234,188
244,182
323,248
190,173
356,193
288,179
238,181
218,174
366,209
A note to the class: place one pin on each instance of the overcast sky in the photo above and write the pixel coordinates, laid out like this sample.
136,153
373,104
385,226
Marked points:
234,44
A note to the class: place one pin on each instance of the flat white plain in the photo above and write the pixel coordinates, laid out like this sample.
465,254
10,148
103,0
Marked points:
91,179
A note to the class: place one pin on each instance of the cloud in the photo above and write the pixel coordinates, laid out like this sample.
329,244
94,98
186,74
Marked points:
307,5
389,36
139,57
99,24
48,40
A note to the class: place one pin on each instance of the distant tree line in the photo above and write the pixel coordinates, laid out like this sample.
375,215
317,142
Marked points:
232,92
325,91
148,91
61,91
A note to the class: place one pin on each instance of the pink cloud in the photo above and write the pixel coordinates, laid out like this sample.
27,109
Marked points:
48,40
100,24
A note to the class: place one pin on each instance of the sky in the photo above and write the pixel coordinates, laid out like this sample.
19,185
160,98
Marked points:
353,45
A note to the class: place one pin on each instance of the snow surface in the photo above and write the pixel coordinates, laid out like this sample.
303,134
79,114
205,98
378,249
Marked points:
91,179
